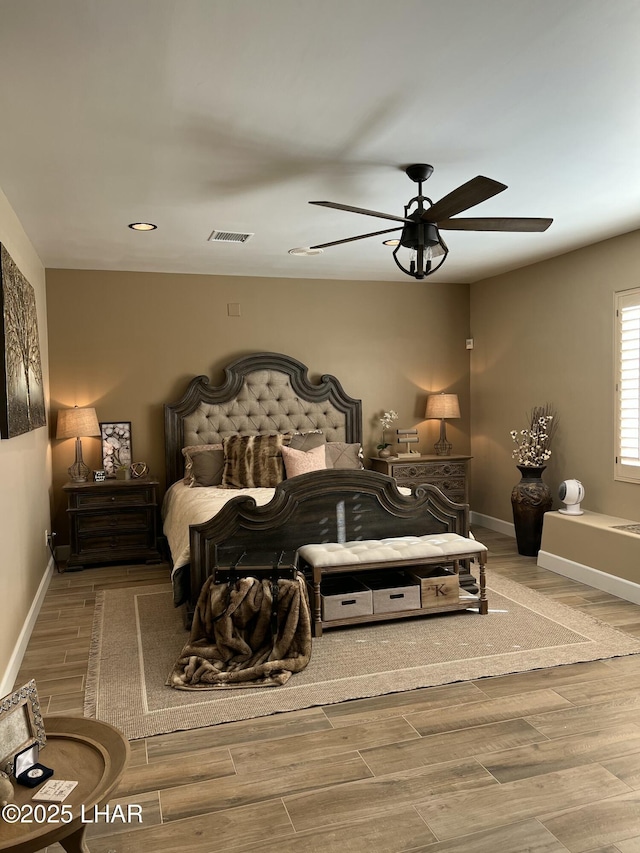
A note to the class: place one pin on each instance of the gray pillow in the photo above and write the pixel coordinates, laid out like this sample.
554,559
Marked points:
343,455
189,452
306,440
207,468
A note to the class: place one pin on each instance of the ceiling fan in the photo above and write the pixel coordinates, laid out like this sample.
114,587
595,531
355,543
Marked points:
421,225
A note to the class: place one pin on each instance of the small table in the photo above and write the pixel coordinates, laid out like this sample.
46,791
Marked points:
89,751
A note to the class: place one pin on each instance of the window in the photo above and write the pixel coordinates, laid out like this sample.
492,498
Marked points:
627,464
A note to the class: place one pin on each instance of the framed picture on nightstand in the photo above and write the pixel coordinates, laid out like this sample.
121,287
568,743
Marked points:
116,446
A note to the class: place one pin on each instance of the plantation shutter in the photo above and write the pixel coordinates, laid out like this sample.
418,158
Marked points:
627,466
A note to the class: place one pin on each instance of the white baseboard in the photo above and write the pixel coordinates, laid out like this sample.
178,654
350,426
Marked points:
15,661
619,587
497,524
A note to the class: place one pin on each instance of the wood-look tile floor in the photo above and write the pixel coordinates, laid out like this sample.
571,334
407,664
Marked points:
544,761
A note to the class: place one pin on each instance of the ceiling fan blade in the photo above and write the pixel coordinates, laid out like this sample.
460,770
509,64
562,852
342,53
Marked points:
468,195
351,239
350,209
512,223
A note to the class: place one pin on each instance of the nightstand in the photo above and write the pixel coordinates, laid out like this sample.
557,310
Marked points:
113,521
448,473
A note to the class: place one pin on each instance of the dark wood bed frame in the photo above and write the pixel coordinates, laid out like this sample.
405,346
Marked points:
322,506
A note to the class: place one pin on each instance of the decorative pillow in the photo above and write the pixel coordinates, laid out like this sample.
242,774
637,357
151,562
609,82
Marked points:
207,468
252,461
307,440
343,455
302,461
191,451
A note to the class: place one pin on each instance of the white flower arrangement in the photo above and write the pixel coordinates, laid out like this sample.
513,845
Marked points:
532,448
385,422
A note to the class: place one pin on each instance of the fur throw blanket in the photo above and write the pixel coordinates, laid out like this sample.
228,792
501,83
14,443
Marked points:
232,642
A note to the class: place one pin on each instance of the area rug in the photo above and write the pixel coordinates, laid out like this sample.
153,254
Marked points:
138,635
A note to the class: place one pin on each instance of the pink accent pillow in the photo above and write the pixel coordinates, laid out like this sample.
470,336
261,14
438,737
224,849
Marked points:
301,462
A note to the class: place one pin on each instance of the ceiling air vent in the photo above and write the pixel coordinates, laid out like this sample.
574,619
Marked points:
228,237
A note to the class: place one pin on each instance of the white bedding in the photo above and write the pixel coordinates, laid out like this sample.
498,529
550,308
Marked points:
183,506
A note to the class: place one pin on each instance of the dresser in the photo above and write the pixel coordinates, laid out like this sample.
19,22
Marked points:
113,521
448,473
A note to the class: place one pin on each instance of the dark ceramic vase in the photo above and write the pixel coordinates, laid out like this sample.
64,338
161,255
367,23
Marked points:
530,499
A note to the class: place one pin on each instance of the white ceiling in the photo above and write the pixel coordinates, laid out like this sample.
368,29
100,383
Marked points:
232,114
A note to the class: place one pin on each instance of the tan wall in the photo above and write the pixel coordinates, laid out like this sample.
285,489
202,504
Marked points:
128,342
25,475
545,334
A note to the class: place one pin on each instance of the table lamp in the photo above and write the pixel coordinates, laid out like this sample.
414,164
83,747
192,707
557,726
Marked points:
442,406
74,423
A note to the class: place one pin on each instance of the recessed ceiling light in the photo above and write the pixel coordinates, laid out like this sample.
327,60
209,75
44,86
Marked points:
305,250
390,242
143,226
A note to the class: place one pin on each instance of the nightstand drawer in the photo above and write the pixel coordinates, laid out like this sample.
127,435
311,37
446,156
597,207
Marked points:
448,474
445,469
117,543
136,519
453,490
429,472
98,500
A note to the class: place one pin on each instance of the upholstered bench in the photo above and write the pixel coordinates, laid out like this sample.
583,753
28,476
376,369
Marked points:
402,552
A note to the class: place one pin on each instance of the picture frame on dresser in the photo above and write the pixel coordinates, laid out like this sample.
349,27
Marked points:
116,446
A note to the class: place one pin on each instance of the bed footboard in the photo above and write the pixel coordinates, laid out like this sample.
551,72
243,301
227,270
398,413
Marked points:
322,506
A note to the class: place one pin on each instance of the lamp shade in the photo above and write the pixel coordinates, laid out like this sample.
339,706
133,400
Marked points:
442,406
76,422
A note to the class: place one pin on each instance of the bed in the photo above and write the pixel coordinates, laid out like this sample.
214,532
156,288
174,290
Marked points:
212,519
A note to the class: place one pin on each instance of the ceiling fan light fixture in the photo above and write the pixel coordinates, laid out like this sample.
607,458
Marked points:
424,243
416,234
437,250
395,242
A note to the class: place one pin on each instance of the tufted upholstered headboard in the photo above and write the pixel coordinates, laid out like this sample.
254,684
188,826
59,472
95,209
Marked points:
262,393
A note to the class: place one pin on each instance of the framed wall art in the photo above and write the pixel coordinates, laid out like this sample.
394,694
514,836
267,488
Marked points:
21,724
22,406
116,446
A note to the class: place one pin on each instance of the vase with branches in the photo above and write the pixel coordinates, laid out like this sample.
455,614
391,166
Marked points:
533,443
531,497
